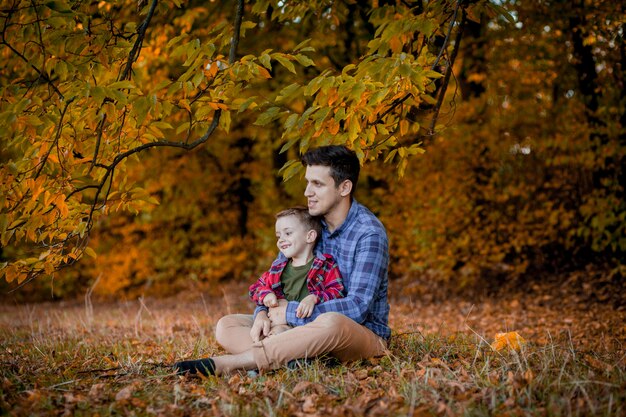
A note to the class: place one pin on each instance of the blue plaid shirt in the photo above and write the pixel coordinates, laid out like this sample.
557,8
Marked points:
361,249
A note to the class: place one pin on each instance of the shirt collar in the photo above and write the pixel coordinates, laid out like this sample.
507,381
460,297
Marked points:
317,253
349,218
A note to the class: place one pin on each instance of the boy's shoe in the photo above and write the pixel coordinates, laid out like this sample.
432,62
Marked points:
204,366
328,361
299,363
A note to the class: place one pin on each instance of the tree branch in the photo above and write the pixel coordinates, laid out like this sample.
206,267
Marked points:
100,129
56,137
166,143
136,50
234,43
401,100
446,78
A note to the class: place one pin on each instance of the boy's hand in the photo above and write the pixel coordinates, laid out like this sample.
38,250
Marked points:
270,300
305,308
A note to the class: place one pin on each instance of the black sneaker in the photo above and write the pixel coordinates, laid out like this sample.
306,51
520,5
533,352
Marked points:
204,366
299,363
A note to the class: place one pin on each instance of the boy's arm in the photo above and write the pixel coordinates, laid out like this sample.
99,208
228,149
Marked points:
260,289
332,287
370,264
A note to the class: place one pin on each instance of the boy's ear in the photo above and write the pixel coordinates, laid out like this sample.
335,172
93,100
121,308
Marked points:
345,188
311,236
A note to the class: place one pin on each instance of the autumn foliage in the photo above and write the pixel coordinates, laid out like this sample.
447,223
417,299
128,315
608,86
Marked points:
149,140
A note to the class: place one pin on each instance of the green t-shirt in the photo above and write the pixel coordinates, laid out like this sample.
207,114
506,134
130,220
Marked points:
293,279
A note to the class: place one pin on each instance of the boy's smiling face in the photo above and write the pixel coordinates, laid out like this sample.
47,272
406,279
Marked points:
292,238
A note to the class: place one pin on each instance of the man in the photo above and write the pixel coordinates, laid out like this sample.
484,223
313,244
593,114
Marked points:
349,328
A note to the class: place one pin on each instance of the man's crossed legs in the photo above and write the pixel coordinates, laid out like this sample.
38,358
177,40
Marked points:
331,333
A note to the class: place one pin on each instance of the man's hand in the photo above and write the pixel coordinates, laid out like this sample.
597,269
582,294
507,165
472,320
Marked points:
305,308
261,327
278,315
270,300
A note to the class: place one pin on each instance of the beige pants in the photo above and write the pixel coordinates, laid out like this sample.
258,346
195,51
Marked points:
331,333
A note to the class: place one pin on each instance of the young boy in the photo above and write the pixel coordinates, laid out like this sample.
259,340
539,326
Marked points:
304,277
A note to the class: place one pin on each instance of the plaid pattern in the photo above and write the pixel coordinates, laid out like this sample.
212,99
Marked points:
361,249
322,280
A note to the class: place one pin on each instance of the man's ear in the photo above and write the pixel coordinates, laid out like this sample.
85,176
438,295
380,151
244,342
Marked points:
311,236
345,188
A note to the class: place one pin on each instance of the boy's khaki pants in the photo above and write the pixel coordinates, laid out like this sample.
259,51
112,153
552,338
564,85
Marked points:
331,333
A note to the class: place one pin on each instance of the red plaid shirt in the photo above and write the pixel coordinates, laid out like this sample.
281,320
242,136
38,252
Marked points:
323,280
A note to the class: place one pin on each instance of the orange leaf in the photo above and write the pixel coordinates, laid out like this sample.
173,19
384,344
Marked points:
60,203
512,340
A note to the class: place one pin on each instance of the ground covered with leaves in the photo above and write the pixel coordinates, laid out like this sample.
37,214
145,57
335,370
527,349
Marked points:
112,359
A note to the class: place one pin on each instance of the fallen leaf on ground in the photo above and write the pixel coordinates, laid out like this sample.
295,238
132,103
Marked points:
512,340
125,393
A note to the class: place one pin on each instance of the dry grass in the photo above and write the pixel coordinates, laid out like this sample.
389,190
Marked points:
111,359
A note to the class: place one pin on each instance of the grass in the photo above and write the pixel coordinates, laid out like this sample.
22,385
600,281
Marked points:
114,359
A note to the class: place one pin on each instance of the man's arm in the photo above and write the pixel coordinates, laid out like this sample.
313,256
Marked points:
370,264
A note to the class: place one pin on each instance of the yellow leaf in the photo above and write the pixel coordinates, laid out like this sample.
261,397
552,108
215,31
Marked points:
61,206
90,252
511,340
404,127
263,72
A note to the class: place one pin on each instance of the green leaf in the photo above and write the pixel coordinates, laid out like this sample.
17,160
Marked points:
291,121
301,45
353,128
141,106
405,70
305,60
285,62
499,10
58,6
32,120
432,74
306,115
266,61
347,69
428,99
119,85
61,69
225,121
90,252
243,106
266,117
288,91
390,156
162,125
357,91
320,116
290,169
424,25
289,144
98,94
313,86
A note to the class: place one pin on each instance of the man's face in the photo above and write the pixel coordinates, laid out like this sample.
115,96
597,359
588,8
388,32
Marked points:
321,191
291,236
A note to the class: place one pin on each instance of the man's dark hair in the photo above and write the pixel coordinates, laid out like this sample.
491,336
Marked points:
343,163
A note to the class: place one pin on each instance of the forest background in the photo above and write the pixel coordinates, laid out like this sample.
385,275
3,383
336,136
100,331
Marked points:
144,145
